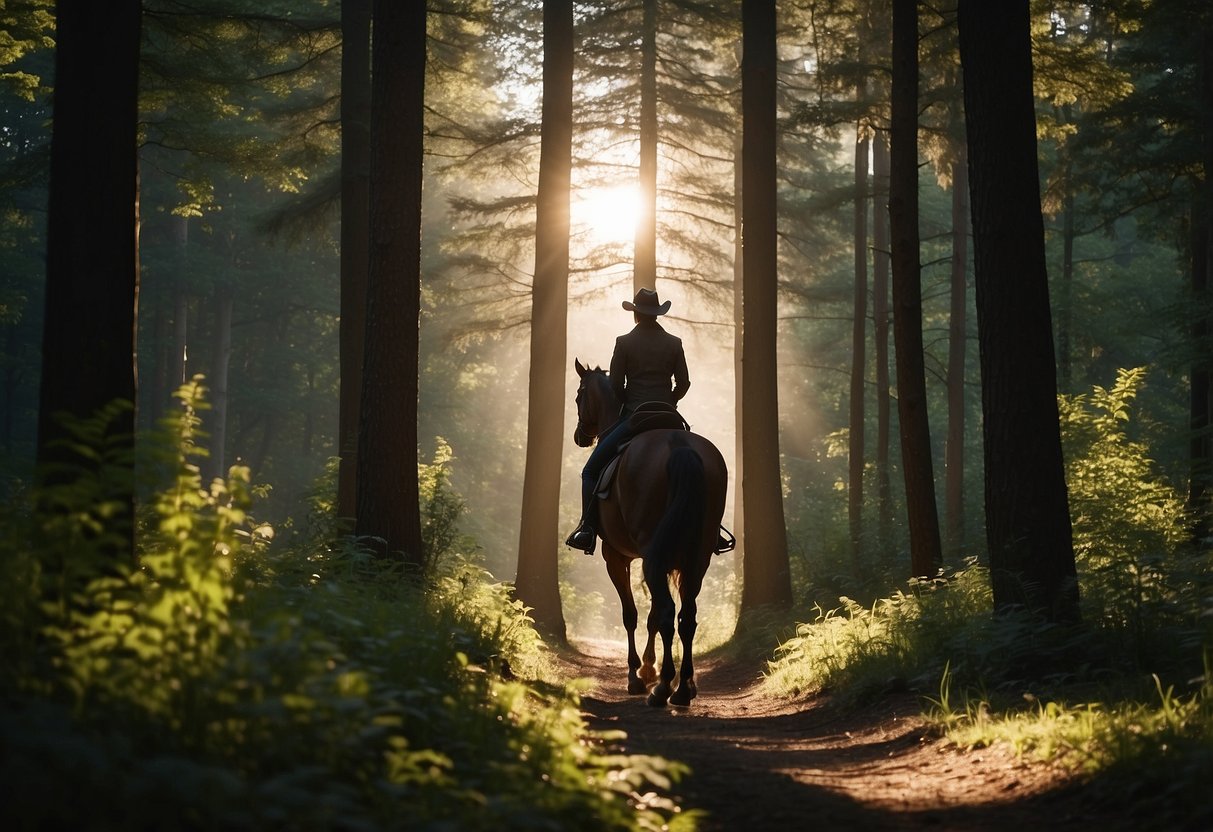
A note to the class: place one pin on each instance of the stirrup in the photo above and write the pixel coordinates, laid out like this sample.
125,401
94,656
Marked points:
725,541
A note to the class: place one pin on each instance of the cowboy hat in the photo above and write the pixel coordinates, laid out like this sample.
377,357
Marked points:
647,303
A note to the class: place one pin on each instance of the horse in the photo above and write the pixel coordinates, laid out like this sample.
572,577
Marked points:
664,506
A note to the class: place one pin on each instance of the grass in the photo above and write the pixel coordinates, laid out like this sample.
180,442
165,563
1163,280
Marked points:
227,681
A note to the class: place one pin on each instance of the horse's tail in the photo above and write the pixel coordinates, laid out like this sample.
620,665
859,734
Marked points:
676,542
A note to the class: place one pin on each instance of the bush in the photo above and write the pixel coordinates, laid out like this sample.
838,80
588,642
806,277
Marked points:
220,682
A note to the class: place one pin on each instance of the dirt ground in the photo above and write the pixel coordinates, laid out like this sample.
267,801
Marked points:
757,760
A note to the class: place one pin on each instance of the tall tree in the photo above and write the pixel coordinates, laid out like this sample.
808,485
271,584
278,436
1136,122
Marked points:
858,338
1028,528
1201,394
644,259
355,237
388,492
954,454
880,331
538,580
767,579
925,552
92,264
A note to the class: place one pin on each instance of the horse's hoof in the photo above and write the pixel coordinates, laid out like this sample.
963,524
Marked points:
684,694
636,687
659,696
681,700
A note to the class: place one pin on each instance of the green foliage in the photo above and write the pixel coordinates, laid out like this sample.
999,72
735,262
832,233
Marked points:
1137,582
134,632
905,641
442,508
222,682
1070,695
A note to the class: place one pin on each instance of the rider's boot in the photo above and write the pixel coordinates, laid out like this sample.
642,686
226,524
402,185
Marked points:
585,536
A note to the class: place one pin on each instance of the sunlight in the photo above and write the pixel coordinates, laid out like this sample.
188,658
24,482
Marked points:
607,215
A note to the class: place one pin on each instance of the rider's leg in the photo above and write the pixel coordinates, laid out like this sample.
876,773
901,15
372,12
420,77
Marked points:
585,536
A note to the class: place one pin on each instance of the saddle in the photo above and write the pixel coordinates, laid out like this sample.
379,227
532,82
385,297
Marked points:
646,416
654,416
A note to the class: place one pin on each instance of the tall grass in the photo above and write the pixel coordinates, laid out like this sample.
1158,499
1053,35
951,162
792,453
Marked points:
225,681
1128,696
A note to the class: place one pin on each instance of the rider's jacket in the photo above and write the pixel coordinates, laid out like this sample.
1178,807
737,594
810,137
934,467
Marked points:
643,363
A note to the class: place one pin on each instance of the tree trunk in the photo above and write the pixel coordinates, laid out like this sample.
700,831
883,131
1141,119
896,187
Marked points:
738,357
644,267
880,332
1199,392
355,239
1201,463
767,581
388,510
217,417
858,344
181,309
538,580
925,552
92,262
1065,313
1027,511
954,460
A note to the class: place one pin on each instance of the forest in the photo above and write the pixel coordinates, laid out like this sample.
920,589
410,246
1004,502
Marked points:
291,298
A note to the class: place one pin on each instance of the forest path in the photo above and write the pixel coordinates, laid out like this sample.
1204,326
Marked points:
758,760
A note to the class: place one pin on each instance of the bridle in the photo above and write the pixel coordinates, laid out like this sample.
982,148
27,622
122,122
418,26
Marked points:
581,435
590,427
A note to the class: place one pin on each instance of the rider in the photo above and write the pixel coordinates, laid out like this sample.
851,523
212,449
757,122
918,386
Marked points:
642,365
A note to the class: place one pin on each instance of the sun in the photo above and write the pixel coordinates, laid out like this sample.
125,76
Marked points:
607,216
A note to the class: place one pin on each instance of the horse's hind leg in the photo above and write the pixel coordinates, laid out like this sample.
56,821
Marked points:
687,624
619,569
661,619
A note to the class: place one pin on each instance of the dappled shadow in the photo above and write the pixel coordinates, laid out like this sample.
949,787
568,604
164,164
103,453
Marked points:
757,760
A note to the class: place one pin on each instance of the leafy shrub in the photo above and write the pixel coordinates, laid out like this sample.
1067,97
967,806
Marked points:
223,683
1139,585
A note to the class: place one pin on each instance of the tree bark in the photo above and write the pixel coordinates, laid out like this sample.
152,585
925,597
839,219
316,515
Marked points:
767,581
92,262
1027,512
644,268
355,239
880,333
217,417
858,345
954,457
538,582
388,510
1201,392
925,549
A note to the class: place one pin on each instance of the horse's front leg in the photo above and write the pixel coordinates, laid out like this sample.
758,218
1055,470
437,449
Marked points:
661,619
619,569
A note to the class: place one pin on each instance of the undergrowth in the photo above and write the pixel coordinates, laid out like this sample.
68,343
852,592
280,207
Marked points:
225,681
1125,699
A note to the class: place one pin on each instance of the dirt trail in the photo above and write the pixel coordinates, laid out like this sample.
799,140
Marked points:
757,761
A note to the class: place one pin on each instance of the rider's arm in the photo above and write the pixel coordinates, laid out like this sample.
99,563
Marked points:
682,379
619,370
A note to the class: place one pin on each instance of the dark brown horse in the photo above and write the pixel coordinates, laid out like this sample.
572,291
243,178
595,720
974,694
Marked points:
665,504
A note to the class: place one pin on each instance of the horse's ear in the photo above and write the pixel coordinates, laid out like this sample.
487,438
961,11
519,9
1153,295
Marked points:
581,371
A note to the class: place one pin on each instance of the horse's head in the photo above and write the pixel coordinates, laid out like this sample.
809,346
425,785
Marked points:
597,407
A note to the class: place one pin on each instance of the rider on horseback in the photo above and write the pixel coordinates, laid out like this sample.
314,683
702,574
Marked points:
642,365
